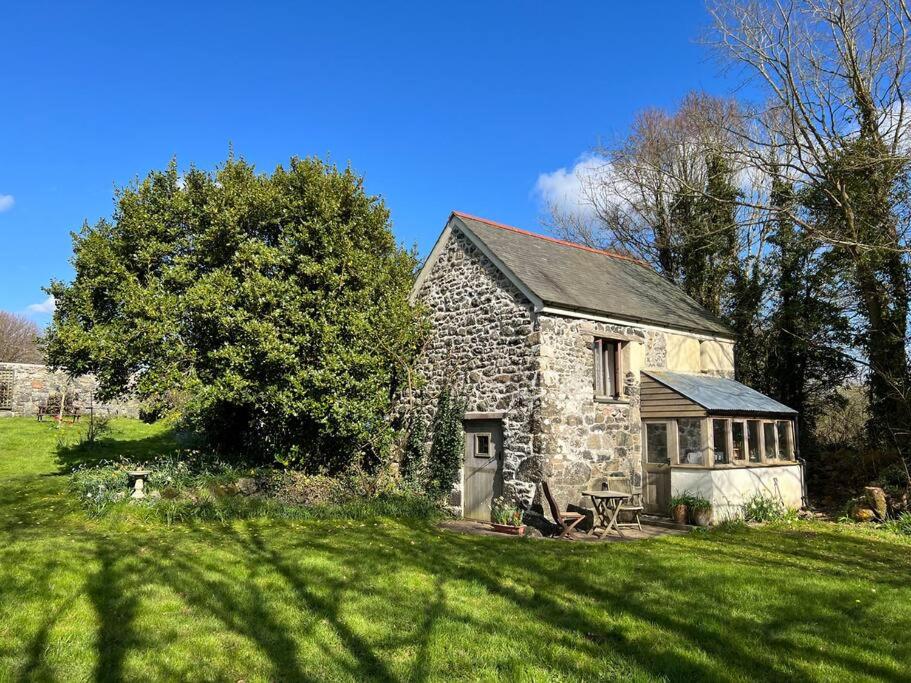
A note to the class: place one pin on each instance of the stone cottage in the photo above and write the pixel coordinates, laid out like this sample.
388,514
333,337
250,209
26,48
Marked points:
577,363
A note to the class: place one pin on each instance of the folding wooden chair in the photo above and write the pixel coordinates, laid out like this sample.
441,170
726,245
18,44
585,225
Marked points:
620,482
567,521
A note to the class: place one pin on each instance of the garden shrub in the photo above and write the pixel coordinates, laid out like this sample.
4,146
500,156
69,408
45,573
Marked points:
414,453
899,525
447,446
271,308
190,485
99,426
761,508
99,486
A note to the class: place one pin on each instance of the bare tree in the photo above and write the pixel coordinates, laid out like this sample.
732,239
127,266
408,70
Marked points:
836,73
635,194
19,339
670,193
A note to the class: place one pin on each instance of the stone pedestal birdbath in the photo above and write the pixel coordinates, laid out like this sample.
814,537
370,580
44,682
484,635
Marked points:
137,479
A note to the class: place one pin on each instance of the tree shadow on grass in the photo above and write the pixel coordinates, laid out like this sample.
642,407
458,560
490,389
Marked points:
116,604
245,612
138,450
714,637
35,666
643,609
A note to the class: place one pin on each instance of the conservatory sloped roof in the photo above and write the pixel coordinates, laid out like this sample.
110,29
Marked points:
720,395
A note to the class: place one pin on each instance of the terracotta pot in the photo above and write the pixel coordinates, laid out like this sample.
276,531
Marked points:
509,529
679,514
702,517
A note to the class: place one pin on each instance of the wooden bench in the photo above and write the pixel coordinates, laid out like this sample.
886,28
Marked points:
54,412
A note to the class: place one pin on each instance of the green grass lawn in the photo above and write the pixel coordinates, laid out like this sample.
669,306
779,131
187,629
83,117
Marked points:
115,598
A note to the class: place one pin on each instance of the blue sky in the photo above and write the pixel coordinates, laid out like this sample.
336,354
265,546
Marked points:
469,105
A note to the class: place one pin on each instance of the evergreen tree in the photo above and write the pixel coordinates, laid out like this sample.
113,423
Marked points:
258,299
415,451
447,446
807,327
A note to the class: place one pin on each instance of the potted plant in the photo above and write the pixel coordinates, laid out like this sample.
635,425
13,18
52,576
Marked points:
679,508
507,517
700,511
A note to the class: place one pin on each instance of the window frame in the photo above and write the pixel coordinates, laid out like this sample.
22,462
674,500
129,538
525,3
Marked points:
771,455
618,390
728,441
489,436
670,427
767,454
703,444
749,441
787,441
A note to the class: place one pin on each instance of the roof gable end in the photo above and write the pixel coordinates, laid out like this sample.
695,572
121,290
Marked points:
455,223
561,277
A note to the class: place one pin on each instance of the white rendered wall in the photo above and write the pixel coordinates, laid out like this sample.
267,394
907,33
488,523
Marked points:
729,488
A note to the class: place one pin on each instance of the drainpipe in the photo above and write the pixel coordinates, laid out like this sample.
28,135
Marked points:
804,498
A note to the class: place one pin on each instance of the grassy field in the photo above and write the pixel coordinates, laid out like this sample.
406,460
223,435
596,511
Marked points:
112,599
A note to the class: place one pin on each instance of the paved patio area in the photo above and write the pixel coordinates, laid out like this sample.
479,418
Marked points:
468,526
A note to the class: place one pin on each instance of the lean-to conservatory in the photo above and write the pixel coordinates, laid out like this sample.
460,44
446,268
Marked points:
717,438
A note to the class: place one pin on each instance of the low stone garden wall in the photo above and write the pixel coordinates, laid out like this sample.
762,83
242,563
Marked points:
25,387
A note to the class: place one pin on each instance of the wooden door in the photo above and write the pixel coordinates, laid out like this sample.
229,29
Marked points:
658,441
483,467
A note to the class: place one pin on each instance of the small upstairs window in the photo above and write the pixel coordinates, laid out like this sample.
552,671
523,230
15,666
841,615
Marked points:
608,369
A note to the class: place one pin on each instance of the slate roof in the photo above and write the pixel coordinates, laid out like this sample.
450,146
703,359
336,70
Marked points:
567,275
719,395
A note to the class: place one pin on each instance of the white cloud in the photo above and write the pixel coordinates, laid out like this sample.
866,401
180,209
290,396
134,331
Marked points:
6,202
566,189
46,306
895,124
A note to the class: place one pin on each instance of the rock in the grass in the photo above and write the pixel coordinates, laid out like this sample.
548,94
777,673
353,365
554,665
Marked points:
247,486
532,532
862,514
154,496
223,490
875,497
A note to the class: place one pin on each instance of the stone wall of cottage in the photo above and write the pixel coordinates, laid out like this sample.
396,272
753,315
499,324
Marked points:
483,343
32,385
581,439
538,369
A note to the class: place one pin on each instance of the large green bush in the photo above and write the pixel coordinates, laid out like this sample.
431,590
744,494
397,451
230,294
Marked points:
414,452
270,310
447,446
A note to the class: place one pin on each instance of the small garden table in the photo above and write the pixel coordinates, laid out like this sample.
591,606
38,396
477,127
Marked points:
607,508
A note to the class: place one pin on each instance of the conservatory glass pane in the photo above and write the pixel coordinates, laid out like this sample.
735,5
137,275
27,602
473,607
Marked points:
753,440
689,441
785,442
656,442
720,439
771,443
739,434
